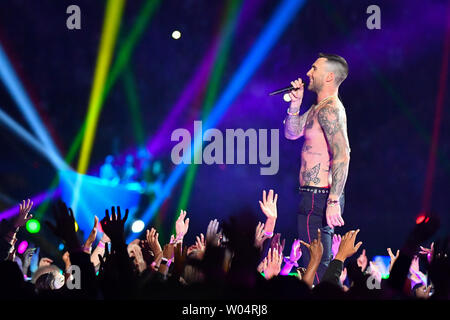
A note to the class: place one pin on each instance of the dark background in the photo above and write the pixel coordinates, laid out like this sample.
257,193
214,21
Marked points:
390,97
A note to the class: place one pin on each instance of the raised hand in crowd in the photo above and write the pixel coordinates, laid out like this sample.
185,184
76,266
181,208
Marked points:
272,263
135,252
99,250
91,238
393,257
9,229
23,216
428,252
362,260
153,241
296,251
66,260
67,264
260,236
347,247
277,243
197,250
316,251
114,225
291,261
27,256
335,244
181,225
212,234
374,271
269,208
416,276
65,225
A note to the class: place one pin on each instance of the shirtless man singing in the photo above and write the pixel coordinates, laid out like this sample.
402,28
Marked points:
325,155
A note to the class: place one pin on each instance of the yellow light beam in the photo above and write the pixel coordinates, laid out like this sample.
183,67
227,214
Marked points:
113,14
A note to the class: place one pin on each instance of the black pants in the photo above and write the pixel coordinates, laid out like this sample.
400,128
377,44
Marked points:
312,216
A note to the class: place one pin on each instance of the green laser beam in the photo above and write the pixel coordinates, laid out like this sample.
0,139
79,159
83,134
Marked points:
134,106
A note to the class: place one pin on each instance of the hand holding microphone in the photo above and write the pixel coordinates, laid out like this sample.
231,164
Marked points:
296,94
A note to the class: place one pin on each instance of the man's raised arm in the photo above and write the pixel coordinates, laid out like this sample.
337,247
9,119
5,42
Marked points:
294,123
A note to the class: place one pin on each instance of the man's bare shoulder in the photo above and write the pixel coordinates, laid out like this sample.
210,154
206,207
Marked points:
331,116
332,106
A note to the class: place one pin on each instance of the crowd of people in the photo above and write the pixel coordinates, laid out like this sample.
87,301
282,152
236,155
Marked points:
239,258
139,172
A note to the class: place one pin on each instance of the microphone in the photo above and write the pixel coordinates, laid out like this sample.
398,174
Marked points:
283,90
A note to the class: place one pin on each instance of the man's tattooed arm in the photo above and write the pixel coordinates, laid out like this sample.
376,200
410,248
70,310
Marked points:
294,126
333,123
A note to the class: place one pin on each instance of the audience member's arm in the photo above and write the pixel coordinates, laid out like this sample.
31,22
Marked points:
347,248
65,229
87,247
421,233
291,261
272,264
8,230
181,226
315,251
269,208
114,226
167,258
99,251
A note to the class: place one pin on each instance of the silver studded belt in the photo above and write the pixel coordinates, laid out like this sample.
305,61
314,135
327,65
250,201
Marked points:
314,189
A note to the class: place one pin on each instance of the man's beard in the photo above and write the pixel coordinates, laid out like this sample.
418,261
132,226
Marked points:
314,87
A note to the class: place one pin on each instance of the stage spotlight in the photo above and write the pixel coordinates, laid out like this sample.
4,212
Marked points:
137,226
176,34
286,97
61,247
33,226
22,247
76,226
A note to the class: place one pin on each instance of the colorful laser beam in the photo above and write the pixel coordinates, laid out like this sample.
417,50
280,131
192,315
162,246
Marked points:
265,42
26,107
134,106
68,159
113,14
17,129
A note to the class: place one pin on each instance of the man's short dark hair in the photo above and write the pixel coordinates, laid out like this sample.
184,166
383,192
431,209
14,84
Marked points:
338,66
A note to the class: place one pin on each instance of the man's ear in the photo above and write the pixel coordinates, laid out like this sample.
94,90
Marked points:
329,77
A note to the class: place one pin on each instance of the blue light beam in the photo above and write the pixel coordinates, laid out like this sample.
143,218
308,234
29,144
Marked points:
12,125
15,88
